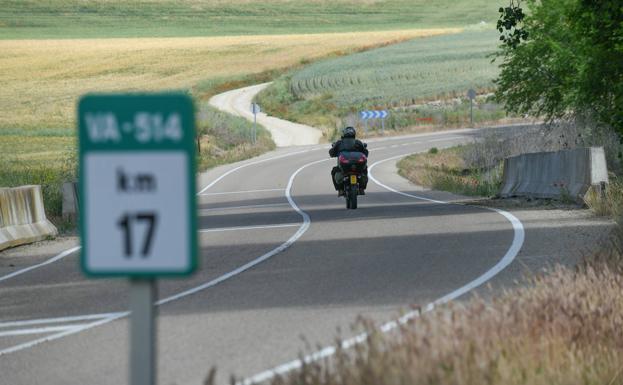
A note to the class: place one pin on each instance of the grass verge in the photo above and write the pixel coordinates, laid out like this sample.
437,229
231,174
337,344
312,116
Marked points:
609,202
224,138
446,170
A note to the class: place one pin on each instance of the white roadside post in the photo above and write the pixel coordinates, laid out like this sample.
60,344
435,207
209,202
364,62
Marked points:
255,108
471,94
137,202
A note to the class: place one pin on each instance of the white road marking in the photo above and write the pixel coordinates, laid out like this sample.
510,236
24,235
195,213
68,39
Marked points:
215,181
76,248
51,260
507,259
47,329
242,192
115,316
445,139
44,321
239,228
66,333
304,226
118,315
202,192
243,207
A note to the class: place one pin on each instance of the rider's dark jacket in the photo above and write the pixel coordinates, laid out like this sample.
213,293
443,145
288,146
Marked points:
347,144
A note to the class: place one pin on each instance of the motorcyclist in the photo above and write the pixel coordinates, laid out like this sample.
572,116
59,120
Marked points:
348,142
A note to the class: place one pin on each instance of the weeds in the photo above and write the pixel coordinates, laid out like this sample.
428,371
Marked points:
445,170
608,202
225,138
50,176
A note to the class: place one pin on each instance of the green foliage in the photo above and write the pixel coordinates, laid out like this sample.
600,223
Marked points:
28,19
570,63
511,17
226,138
433,150
400,77
50,176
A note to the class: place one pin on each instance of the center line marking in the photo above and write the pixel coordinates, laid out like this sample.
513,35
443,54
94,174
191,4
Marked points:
216,230
242,192
243,207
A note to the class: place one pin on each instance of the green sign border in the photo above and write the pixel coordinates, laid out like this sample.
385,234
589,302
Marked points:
124,106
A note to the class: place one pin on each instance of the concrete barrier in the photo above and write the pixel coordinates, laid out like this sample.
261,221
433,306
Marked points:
554,174
70,201
22,216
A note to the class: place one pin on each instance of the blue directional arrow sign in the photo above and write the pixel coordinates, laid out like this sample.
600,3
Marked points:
374,114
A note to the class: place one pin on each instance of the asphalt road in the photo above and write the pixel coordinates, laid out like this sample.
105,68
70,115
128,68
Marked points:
281,258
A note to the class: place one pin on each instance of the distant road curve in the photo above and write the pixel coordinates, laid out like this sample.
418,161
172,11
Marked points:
284,133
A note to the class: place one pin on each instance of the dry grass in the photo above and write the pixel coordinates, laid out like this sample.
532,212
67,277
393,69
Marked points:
42,79
608,203
447,170
566,328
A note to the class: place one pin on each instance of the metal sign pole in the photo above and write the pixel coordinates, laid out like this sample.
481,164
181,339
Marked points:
383,125
471,94
254,126
142,331
471,112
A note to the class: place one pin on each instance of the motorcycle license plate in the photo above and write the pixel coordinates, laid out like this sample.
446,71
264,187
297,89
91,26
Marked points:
353,179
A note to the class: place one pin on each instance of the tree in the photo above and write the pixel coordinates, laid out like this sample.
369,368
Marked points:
564,58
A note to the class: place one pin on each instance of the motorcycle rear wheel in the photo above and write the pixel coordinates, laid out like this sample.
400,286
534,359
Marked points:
352,194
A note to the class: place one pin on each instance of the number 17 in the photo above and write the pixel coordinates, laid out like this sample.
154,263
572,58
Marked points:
125,223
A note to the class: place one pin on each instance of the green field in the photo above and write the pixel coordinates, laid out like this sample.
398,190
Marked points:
403,74
402,77
35,19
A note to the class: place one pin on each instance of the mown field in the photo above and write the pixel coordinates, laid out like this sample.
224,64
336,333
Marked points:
42,79
34,19
401,77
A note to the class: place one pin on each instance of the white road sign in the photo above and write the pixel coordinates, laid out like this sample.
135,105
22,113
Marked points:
137,185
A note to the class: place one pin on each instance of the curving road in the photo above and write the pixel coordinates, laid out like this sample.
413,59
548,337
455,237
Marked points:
280,258
284,133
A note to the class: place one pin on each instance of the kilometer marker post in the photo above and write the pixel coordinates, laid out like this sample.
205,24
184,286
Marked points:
137,202
471,94
255,108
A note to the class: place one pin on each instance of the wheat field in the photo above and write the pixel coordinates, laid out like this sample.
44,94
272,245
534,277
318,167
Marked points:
42,79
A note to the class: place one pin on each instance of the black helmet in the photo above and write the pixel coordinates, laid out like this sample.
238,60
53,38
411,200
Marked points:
349,132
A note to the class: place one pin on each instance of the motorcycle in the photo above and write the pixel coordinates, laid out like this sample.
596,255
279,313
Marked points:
352,166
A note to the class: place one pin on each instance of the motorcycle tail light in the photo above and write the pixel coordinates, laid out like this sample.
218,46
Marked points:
343,159
362,159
